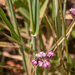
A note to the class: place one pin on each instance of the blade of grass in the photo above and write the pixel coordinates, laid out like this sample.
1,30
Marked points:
61,58
57,18
19,4
22,34
54,34
24,12
15,26
64,12
17,41
14,20
2,14
66,45
64,9
62,37
43,8
34,21
57,25
37,16
31,17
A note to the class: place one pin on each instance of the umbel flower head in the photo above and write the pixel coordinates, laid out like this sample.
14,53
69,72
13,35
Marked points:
72,10
42,59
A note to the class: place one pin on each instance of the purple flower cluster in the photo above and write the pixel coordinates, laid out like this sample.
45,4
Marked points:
42,59
72,10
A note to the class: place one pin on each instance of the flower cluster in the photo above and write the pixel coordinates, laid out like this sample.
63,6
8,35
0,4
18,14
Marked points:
42,59
72,10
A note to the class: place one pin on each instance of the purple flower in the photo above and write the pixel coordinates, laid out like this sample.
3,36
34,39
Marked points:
72,10
34,62
42,59
43,54
46,63
40,63
49,54
40,55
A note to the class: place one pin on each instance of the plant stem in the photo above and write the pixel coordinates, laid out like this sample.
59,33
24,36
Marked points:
64,12
15,26
66,45
62,37
64,9
46,72
24,61
34,48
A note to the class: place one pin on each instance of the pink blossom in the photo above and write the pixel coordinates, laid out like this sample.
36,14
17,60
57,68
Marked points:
72,10
42,59
40,55
50,53
46,63
40,63
43,54
34,62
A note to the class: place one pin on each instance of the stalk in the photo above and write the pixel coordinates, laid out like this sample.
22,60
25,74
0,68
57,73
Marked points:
45,69
15,26
64,12
66,45
34,21
34,48
57,18
64,9
58,27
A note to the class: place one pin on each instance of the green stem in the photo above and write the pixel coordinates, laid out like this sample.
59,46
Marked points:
15,26
46,71
64,12
71,25
64,9
34,48
64,34
31,17
17,41
24,60
14,20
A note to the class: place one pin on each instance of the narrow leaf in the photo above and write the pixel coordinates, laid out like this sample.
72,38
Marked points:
19,4
3,16
17,41
43,8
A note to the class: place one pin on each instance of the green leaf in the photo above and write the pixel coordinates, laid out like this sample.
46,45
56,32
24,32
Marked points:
3,16
71,25
19,4
37,16
17,42
14,20
57,18
31,17
43,7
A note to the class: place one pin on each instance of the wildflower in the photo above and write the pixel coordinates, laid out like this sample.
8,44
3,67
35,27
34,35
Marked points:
34,62
43,54
50,54
46,63
42,59
72,10
40,55
40,63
